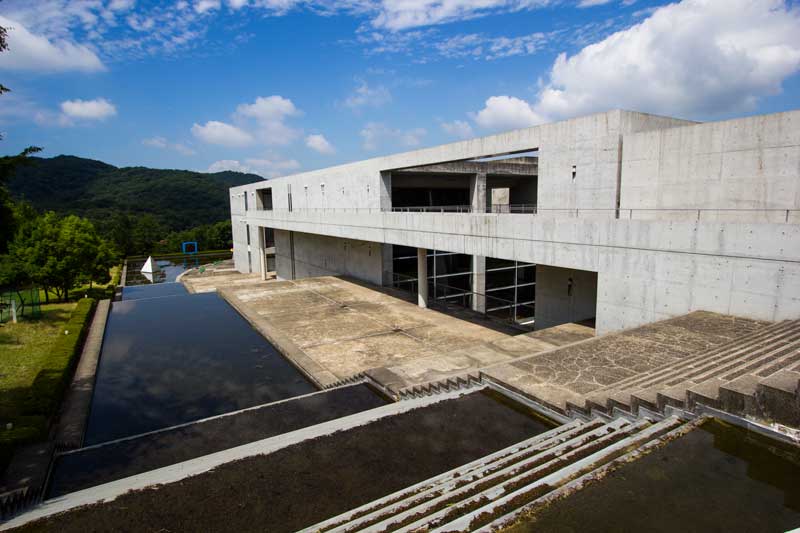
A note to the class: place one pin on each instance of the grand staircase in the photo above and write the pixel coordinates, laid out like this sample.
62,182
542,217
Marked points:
496,489
756,375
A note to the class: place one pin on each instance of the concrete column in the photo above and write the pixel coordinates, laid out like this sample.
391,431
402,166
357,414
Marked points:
422,277
262,251
477,193
479,283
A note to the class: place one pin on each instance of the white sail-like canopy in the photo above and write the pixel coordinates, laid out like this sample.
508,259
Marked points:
150,266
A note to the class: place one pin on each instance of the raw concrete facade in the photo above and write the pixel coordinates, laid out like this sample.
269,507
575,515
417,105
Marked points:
650,217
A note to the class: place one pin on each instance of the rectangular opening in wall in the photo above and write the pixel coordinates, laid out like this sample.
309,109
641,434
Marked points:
264,199
502,184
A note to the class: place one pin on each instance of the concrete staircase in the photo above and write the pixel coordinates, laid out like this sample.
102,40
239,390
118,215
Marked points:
494,490
756,375
355,378
437,387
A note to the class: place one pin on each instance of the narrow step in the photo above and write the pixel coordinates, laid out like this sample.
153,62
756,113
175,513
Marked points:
511,517
527,488
393,503
466,495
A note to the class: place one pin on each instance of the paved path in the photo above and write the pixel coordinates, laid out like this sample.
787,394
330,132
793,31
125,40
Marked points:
75,413
335,328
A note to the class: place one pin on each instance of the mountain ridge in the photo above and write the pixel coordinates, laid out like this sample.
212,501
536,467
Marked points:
178,199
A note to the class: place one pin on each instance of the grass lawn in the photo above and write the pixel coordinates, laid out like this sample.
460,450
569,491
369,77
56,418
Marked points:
23,352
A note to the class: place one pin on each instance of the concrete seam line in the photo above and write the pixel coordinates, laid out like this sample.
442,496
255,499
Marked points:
169,474
203,420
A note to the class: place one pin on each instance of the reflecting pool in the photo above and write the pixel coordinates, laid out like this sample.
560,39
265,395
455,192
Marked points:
170,359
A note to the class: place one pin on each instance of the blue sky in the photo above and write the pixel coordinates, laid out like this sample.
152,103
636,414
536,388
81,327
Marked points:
280,86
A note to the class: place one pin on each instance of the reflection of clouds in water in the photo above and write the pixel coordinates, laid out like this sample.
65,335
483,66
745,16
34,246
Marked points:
171,360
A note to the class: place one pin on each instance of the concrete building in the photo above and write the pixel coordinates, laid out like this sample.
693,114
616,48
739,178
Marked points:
617,219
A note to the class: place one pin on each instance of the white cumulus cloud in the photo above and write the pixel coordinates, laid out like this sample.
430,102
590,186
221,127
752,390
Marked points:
97,109
270,114
215,132
507,113
319,143
694,58
29,51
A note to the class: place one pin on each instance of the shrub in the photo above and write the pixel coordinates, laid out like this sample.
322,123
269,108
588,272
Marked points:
50,383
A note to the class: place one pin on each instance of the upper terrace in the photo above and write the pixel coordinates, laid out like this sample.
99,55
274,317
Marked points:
619,164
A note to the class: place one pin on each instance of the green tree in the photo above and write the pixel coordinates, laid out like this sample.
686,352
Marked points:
7,166
57,252
146,233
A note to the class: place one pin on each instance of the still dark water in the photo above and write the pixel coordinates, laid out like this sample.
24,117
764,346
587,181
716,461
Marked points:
716,478
141,292
170,360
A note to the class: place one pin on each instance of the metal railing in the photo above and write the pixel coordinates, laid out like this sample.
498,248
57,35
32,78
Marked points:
686,214
434,209
446,296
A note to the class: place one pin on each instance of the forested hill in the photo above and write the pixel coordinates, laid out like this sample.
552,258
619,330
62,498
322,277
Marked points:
178,199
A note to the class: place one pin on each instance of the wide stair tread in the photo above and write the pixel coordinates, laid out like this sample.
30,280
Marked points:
769,356
774,332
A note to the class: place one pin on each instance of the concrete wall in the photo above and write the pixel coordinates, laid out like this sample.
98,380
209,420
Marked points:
316,255
749,163
647,269
564,295
591,141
